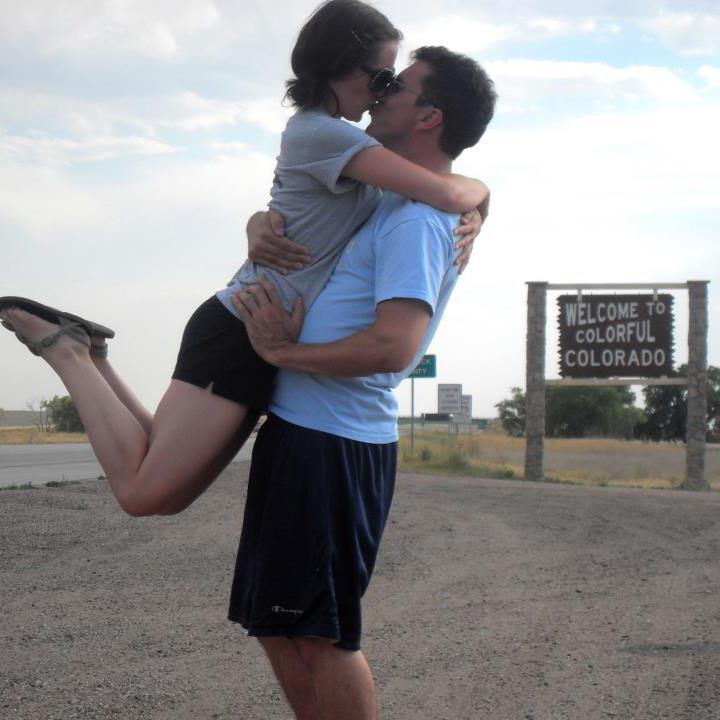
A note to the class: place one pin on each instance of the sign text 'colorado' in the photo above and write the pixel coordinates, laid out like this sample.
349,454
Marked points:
605,336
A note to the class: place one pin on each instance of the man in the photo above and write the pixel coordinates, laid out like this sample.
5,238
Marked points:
323,467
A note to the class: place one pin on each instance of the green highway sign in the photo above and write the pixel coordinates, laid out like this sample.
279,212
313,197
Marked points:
426,368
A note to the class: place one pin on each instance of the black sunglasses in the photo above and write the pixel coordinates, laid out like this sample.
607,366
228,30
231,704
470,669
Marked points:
396,85
380,78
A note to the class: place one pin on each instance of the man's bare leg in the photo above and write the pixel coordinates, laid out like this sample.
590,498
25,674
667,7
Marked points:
293,675
342,680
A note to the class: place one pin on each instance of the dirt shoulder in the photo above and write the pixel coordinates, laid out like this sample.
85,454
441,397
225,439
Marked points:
492,599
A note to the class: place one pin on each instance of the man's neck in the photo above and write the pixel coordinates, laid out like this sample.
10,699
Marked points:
427,155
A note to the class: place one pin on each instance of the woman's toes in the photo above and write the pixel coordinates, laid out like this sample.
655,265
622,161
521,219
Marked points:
32,330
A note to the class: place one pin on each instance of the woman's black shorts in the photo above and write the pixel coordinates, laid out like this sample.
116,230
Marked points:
215,351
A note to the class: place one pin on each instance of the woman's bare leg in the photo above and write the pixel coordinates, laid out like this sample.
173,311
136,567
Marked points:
126,396
194,433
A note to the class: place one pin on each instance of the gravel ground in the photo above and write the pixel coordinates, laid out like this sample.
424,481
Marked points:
492,599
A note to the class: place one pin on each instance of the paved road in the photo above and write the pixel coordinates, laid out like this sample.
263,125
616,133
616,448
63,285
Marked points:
41,464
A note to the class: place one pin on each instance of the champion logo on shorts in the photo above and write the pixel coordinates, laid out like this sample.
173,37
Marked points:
281,609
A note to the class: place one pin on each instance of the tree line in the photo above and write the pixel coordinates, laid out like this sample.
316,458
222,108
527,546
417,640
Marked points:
610,411
56,415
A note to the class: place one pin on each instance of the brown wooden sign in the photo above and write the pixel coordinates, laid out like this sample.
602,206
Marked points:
604,336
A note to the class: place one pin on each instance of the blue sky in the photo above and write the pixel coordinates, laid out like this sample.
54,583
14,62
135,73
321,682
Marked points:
137,137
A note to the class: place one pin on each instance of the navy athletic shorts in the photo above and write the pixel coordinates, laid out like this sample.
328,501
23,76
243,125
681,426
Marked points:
215,350
316,508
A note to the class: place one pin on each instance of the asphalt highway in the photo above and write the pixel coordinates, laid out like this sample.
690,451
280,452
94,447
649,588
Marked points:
41,464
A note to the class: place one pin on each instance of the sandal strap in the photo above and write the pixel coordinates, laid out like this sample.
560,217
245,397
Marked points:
98,347
67,327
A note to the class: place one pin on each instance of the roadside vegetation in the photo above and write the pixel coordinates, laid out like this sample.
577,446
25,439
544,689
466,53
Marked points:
596,436
33,435
54,421
611,412
32,486
581,461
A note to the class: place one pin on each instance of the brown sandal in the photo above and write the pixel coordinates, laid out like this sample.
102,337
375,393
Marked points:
54,316
67,327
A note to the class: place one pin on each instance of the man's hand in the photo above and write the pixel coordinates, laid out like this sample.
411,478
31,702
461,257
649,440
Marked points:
469,228
269,326
268,246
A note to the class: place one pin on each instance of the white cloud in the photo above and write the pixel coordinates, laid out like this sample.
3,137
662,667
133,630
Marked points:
556,27
469,35
533,80
267,113
229,148
54,128
194,112
190,111
87,27
54,151
687,32
633,164
460,33
38,202
47,200
710,74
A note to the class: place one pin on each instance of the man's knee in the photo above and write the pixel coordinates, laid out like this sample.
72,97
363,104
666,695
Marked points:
275,645
314,651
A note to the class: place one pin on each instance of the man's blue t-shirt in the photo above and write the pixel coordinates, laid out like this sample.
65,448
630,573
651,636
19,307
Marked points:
404,250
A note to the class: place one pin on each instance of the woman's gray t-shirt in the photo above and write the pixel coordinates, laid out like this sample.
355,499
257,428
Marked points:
322,210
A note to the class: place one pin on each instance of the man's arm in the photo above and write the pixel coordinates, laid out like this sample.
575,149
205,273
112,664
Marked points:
388,345
268,246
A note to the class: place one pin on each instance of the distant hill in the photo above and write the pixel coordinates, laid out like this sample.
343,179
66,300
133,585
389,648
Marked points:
18,418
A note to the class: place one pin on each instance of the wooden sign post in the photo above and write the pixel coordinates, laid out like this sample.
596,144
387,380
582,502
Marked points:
617,340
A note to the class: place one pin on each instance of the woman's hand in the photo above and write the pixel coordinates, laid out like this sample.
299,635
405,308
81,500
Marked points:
268,246
469,228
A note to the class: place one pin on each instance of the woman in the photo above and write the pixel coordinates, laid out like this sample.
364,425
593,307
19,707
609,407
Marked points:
326,185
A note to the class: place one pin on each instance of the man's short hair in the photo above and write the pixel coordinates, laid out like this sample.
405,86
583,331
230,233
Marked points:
463,91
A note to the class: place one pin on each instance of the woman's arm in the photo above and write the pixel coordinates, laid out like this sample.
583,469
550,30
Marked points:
385,169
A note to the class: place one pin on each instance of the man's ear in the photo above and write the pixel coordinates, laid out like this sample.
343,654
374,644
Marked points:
431,117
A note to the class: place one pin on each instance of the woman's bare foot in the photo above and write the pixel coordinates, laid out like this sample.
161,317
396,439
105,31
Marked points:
51,340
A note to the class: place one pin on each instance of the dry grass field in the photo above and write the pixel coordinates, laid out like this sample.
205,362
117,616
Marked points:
31,436
590,461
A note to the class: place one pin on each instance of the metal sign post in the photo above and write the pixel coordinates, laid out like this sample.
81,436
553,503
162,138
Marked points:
466,414
426,368
450,401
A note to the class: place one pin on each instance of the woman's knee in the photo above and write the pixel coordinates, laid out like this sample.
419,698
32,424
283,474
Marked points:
137,503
